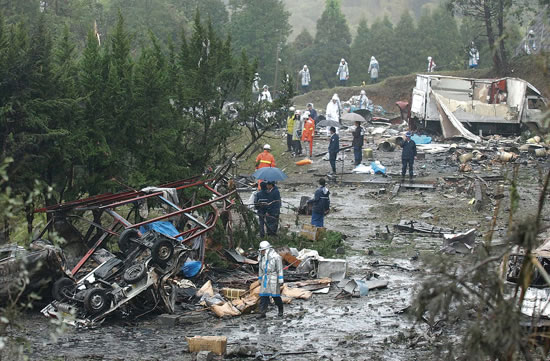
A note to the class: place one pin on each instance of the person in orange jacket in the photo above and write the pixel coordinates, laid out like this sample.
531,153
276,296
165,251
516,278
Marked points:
265,158
309,131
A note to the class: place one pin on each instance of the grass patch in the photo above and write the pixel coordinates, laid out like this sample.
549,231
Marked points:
326,246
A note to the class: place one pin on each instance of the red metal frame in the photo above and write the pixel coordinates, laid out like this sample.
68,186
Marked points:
108,202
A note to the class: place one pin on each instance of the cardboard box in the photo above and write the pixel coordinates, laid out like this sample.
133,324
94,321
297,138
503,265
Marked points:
216,344
233,293
311,232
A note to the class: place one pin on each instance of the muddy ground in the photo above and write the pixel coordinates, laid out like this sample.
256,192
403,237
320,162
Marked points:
367,328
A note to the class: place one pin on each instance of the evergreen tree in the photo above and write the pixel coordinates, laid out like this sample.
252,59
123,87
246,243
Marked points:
214,11
360,50
448,53
382,37
260,27
405,58
332,42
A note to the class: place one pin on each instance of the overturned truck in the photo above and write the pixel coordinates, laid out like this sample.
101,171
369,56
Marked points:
465,107
135,246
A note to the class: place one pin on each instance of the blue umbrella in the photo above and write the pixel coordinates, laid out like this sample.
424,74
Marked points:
270,174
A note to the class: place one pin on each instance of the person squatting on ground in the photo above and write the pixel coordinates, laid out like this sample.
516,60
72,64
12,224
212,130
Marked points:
333,111
343,72
297,134
289,129
407,156
308,132
333,149
261,200
373,69
357,143
270,275
306,78
431,65
321,204
273,209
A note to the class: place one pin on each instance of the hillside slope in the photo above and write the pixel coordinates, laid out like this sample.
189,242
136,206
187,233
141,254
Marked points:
397,88
305,13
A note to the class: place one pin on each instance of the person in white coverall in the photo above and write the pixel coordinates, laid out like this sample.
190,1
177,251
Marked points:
333,111
343,72
265,95
271,279
373,69
306,78
431,65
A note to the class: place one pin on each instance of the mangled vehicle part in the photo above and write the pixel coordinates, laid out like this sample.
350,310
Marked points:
153,250
464,106
137,283
29,270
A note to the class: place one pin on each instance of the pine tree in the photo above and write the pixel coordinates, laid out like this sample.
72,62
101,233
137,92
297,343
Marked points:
360,52
405,47
382,35
332,42
259,27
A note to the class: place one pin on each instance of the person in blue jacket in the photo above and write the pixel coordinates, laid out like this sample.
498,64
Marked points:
321,204
261,200
273,209
333,148
407,156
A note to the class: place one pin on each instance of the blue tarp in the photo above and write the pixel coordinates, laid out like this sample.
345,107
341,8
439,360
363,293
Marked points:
164,227
377,169
191,268
421,139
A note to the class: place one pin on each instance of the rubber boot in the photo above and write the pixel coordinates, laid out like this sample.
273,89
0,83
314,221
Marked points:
281,312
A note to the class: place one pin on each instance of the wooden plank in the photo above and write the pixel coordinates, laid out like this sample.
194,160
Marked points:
418,186
395,190
478,194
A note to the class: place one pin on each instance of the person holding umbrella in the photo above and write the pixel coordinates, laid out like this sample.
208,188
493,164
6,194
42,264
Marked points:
261,199
273,209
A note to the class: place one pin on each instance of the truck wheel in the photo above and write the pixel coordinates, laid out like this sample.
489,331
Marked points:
96,301
125,240
134,273
63,289
162,251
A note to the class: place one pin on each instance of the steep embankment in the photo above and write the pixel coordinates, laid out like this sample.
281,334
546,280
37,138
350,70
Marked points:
386,93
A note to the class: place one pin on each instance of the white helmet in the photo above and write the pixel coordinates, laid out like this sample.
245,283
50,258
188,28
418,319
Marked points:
429,58
297,112
265,86
363,92
531,31
292,109
264,245
305,66
267,146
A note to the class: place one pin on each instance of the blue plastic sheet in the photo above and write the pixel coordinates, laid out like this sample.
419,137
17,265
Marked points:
421,139
191,268
377,169
164,227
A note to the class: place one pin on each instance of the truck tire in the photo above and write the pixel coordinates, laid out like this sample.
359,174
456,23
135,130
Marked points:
134,273
125,240
162,251
96,301
63,289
